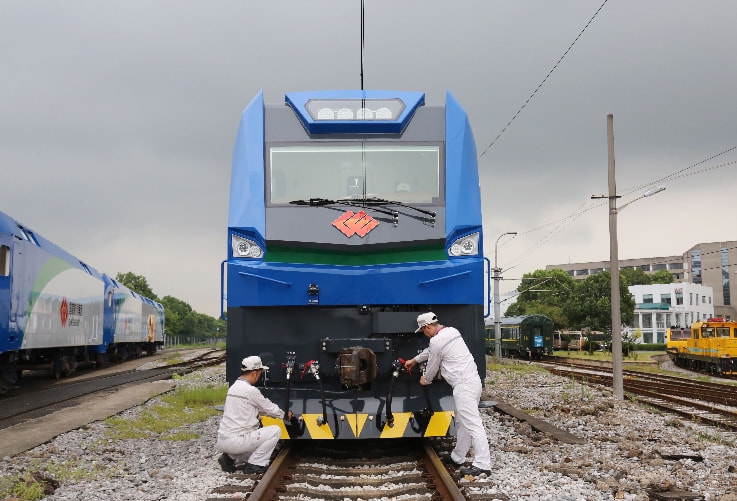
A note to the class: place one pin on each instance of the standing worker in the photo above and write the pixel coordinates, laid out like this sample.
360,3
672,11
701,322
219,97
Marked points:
243,444
449,354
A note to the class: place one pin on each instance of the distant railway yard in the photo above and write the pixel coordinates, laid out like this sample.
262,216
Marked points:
556,432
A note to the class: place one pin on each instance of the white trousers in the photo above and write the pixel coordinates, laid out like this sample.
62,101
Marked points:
254,447
470,431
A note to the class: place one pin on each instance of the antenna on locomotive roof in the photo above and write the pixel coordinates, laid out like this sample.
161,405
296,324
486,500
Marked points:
362,33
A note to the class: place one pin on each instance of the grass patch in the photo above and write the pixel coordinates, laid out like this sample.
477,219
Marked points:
643,356
514,366
181,436
23,487
220,345
41,478
714,437
177,409
173,359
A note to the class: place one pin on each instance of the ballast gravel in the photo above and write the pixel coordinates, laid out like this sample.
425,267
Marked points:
630,452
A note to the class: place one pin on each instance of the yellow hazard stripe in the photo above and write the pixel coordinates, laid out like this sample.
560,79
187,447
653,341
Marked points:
439,424
269,421
317,431
356,422
399,426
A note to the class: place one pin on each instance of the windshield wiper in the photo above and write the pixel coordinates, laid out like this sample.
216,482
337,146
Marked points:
382,201
319,202
313,202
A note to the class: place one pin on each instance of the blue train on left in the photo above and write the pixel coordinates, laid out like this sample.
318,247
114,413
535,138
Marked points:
57,312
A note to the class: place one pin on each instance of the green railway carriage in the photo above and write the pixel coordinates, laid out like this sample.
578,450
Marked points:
526,336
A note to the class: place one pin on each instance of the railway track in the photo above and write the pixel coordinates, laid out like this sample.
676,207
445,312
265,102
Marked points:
370,470
38,402
704,402
407,469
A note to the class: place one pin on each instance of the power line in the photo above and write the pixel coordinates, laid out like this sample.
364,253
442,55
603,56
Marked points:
544,79
678,174
363,33
570,219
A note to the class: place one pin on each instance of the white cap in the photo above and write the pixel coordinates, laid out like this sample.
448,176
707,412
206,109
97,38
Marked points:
425,319
251,363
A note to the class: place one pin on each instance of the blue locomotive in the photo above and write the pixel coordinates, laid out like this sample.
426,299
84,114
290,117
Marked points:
351,212
56,311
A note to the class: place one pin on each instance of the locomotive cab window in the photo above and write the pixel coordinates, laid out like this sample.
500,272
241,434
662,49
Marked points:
722,331
4,260
407,173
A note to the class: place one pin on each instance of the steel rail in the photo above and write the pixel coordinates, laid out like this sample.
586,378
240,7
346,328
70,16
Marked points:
446,486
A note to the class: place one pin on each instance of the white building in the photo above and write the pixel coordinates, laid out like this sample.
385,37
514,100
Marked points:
660,306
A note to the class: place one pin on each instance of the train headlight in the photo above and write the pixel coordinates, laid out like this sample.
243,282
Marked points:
465,246
355,109
244,247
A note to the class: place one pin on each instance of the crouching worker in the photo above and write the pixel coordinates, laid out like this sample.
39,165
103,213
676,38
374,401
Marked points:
244,445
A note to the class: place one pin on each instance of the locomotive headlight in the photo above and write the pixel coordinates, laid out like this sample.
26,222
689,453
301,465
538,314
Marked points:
465,246
244,247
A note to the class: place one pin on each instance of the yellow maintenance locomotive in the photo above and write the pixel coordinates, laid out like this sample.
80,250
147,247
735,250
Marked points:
709,346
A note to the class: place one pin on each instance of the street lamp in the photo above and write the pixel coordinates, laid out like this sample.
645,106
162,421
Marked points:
617,379
497,277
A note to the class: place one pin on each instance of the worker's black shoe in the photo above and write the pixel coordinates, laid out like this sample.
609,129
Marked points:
226,463
474,471
448,461
254,468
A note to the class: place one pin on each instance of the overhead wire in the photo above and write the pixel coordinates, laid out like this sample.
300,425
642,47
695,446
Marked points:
363,34
567,221
679,174
557,63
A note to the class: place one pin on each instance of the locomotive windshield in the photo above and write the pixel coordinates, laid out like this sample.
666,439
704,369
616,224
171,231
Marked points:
408,173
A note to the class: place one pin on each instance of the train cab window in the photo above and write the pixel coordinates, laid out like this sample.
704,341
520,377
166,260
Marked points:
4,260
408,173
28,235
707,332
722,331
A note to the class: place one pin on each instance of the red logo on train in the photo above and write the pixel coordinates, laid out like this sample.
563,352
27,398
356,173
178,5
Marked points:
358,223
64,312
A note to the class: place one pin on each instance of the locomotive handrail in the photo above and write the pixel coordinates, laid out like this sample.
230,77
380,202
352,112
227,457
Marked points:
488,287
426,282
285,284
223,297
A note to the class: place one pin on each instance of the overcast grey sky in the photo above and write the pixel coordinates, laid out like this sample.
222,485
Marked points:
118,118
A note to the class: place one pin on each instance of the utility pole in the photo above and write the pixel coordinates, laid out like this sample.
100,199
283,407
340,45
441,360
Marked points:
617,381
616,313
497,277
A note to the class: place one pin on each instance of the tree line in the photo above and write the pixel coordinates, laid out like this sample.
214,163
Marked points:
179,317
580,304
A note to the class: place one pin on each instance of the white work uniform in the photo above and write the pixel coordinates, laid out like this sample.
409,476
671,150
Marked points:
449,354
239,434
